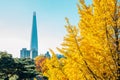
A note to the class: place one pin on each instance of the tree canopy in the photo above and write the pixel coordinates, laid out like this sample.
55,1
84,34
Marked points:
91,49
18,68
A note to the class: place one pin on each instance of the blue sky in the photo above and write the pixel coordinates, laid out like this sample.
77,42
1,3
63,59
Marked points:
16,23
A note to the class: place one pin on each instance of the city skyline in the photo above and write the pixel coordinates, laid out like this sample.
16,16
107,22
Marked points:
33,52
16,21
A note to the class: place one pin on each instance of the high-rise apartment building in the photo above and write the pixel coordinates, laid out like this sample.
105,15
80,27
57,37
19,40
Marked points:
24,53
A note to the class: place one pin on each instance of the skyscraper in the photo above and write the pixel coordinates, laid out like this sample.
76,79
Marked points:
33,52
34,38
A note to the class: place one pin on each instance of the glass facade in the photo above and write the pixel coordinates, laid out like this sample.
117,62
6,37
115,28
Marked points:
24,53
33,52
34,38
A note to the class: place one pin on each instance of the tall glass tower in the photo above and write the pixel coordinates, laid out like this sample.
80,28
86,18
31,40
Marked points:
34,38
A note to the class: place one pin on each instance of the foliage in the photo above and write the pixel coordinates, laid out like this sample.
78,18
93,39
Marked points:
16,68
6,62
99,27
54,68
25,68
40,61
92,50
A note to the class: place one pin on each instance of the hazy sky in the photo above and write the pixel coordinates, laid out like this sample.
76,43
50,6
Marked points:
16,23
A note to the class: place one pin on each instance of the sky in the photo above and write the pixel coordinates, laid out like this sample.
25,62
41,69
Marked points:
16,23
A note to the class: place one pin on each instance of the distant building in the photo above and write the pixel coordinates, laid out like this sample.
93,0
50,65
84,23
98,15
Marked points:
47,54
60,56
24,53
33,52
34,38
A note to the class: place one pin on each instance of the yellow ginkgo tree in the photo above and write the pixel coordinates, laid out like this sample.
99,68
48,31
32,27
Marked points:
99,27
91,49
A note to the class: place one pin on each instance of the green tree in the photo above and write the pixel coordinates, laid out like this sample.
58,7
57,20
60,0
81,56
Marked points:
20,68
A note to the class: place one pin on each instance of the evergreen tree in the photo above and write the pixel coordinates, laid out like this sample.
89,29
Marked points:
16,67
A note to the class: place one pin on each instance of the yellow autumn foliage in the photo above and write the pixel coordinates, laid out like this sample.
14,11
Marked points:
91,49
